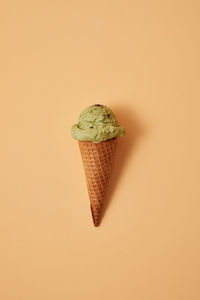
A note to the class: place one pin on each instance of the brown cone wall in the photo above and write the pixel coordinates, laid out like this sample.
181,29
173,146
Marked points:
98,163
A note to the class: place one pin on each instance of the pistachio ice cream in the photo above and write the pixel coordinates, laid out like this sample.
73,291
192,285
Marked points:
97,123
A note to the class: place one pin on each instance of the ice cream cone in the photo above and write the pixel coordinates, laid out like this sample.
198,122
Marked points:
97,131
98,163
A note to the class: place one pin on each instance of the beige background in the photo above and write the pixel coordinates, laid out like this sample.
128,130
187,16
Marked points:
141,58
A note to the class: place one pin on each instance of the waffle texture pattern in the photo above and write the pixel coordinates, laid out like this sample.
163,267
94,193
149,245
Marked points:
98,163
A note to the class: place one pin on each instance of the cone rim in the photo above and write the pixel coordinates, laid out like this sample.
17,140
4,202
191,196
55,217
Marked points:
98,142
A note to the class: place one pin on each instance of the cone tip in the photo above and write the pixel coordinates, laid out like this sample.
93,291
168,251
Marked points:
96,224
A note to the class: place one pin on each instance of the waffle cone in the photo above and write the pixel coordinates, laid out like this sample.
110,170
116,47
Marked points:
98,162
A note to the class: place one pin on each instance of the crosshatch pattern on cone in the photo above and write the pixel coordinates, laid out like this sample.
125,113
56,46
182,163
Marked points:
98,162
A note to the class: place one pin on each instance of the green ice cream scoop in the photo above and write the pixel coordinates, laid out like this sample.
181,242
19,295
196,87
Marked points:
97,123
